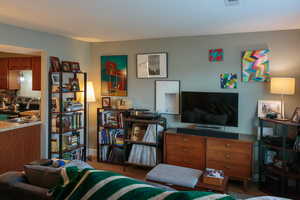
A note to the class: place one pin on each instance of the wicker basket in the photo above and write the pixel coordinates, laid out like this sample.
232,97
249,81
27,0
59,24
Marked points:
212,180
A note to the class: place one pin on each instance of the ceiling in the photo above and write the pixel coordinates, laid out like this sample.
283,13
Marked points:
115,20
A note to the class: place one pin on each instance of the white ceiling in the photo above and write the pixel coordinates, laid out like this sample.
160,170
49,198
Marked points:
113,20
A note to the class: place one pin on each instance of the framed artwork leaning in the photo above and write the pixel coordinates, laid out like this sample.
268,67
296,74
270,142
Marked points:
152,65
267,107
114,75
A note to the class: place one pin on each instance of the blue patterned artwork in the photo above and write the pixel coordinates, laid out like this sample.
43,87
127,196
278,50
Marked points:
228,80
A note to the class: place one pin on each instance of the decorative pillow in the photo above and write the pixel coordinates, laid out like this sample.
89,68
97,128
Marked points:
45,177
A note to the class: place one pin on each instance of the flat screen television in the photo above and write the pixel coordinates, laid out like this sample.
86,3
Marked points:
210,108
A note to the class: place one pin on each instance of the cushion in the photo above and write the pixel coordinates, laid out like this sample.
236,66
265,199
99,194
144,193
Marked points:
46,177
171,174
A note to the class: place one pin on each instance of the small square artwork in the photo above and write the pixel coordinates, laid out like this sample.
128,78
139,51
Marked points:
228,80
216,55
255,66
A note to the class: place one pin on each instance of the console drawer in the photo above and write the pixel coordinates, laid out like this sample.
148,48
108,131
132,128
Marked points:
233,170
183,140
229,157
229,145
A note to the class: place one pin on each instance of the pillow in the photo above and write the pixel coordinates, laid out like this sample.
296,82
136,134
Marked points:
45,177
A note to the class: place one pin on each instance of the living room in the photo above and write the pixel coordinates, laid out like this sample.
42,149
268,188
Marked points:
229,52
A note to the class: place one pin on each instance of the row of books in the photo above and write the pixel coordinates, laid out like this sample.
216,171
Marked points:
69,142
112,119
112,154
71,121
112,136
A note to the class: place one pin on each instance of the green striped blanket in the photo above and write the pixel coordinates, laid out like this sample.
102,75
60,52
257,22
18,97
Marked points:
99,184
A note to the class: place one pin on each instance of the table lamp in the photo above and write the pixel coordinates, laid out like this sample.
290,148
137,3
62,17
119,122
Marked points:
90,97
282,86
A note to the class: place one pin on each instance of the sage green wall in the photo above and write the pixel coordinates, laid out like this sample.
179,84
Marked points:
188,62
51,45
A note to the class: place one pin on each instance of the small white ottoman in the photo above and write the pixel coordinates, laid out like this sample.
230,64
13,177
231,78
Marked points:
174,175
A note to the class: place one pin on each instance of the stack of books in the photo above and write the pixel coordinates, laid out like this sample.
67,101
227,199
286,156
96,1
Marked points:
112,136
112,119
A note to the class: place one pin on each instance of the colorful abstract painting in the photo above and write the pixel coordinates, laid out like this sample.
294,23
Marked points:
114,75
228,80
216,55
255,66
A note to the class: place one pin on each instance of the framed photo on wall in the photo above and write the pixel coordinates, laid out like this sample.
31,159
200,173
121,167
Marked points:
167,97
114,75
152,65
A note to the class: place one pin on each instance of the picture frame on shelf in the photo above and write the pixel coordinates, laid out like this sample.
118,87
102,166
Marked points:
296,116
74,84
55,64
55,79
55,104
269,107
75,67
167,96
66,66
152,65
138,131
106,102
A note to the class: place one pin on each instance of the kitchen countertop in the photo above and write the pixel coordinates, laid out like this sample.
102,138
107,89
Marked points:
8,126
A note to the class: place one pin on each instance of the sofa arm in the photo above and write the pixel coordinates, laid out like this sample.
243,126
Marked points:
13,186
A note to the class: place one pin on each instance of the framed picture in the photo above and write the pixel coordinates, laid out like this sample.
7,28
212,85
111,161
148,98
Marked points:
75,67
106,102
114,75
66,66
138,131
55,104
296,115
266,107
74,84
152,65
167,96
55,79
54,64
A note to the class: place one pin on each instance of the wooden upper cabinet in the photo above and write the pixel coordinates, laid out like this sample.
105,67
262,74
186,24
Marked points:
36,73
22,63
14,80
3,73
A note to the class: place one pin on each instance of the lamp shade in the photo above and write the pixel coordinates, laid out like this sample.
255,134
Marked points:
281,85
90,92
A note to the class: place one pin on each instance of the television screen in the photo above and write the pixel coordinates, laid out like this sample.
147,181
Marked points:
210,108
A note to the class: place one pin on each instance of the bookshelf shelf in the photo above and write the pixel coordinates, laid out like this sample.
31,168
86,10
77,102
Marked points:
69,126
141,143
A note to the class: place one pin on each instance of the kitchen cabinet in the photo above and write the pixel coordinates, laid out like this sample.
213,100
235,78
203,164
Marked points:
3,73
10,68
36,73
19,147
14,80
19,63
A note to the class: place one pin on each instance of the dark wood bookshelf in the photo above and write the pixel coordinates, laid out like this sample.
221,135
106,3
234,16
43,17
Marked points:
58,135
71,149
284,153
141,143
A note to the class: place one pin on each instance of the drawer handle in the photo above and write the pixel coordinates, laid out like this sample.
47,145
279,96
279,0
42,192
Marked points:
226,167
185,139
185,149
227,145
227,156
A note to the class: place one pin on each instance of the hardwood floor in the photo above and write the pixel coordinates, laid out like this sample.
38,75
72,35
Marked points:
140,173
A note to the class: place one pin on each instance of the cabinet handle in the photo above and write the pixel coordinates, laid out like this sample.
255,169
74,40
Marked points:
227,156
227,145
185,149
185,139
226,167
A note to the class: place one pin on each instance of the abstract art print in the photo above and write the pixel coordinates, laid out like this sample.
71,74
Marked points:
228,80
256,66
114,75
216,55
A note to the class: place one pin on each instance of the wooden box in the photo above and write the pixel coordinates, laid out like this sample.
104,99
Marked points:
212,180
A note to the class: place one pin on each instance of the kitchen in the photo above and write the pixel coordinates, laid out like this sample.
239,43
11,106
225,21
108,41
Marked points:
20,96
